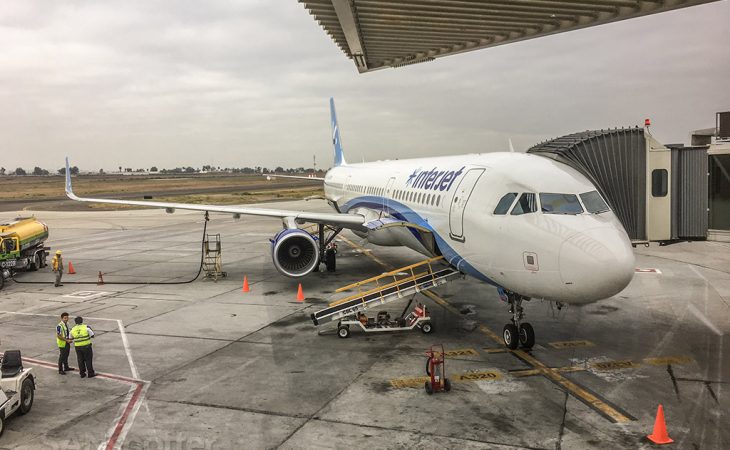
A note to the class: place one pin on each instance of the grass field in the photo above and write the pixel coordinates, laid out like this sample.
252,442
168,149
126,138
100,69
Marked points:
225,189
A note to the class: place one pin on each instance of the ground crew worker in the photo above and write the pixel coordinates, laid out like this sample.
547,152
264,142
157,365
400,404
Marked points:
57,265
81,335
63,339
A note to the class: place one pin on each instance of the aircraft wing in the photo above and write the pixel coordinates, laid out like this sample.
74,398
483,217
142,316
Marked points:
355,221
271,176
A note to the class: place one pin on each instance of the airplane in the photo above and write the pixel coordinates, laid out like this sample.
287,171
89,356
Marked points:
531,226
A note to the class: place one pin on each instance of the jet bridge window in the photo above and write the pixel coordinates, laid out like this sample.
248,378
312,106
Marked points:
525,205
560,204
504,203
659,182
594,203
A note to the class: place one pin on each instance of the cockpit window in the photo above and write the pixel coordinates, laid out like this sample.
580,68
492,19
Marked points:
504,203
560,204
526,204
594,203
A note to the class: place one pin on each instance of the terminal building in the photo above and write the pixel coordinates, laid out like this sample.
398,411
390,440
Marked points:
661,193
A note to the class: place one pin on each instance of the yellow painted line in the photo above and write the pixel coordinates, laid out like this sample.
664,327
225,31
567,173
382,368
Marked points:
526,373
496,350
572,344
666,360
553,375
461,352
615,365
366,253
487,375
417,382
400,383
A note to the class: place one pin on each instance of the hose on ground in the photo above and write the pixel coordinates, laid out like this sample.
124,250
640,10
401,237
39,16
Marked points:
197,275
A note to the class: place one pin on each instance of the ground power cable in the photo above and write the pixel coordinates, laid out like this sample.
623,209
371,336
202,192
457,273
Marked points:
200,270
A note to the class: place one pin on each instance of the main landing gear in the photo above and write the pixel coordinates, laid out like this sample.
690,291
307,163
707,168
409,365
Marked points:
517,333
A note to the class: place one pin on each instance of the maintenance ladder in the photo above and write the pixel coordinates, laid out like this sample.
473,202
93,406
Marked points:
418,277
212,261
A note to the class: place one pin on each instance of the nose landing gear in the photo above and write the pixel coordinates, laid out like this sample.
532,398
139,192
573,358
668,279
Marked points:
517,333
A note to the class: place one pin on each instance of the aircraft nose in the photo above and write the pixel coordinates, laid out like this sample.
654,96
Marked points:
596,264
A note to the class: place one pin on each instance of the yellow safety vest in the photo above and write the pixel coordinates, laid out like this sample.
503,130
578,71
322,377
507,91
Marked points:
80,333
64,333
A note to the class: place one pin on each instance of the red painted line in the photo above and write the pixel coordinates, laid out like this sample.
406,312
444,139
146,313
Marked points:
99,374
139,385
122,420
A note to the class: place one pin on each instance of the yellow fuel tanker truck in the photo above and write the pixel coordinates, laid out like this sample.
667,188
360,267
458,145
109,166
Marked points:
21,246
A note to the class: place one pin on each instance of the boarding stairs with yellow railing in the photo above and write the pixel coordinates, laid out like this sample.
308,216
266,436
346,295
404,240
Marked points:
388,287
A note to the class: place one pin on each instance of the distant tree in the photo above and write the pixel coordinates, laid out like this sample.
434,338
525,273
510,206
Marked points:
279,169
62,171
20,171
74,170
128,169
2,170
190,170
120,169
38,171
153,169
101,171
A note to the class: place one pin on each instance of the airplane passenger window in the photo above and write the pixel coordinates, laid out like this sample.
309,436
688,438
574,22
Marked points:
594,203
560,204
504,203
428,199
525,205
438,200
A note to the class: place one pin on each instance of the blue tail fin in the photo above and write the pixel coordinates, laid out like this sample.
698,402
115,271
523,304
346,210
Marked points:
336,142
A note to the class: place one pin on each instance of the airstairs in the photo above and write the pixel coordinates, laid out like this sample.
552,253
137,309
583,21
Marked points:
388,287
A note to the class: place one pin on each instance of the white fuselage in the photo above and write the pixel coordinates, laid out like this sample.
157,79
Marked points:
572,258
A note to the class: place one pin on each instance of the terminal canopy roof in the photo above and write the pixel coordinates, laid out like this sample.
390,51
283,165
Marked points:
393,33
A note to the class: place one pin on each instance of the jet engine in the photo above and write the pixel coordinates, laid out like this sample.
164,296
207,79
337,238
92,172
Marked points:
295,252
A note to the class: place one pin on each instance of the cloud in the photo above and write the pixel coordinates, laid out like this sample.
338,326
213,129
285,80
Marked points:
137,83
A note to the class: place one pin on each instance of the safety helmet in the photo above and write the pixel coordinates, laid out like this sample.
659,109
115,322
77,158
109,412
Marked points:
58,252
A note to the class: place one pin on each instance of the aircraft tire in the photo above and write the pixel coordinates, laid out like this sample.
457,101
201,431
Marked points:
427,328
527,336
428,387
447,384
330,260
510,336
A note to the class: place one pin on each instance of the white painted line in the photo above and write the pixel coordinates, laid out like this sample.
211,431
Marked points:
86,294
704,319
127,350
652,270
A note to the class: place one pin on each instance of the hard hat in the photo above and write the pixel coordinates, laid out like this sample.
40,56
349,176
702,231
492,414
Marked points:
58,252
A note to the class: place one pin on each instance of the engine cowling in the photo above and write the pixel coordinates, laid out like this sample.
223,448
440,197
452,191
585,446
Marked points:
294,252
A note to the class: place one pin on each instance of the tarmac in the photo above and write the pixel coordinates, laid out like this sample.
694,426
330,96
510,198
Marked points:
204,365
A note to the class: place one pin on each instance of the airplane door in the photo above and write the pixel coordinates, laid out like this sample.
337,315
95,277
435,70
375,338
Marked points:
388,193
458,204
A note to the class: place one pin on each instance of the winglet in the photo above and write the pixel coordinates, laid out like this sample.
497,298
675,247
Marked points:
511,148
336,142
69,191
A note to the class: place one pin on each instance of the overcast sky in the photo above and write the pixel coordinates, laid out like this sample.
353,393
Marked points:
233,84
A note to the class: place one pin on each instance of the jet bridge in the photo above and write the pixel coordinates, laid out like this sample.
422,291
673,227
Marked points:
658,192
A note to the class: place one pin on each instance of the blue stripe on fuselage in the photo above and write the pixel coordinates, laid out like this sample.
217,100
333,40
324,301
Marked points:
403,212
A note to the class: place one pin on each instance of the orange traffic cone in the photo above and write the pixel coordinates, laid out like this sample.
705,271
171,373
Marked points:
71,270
245,284
660,435
300,294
